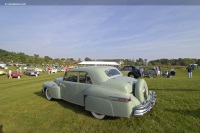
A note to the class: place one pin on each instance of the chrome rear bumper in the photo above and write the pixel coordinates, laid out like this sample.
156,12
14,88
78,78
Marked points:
142,109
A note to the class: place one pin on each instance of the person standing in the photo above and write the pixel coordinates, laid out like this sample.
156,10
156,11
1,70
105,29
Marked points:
189,69
10,74
160,70
49,69
67,68
20,69
157,71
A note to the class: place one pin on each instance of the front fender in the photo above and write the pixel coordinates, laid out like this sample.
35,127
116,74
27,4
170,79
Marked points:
54,89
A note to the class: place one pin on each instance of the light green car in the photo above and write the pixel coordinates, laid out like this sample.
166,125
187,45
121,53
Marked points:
103,91
2,72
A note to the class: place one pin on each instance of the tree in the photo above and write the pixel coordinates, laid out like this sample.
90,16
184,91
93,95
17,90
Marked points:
87,59
48,60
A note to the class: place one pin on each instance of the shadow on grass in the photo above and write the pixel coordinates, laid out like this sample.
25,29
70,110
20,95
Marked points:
75,108
68,105
193,113
1,128
175,90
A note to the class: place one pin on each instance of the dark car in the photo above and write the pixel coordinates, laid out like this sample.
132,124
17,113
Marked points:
132,71
150,72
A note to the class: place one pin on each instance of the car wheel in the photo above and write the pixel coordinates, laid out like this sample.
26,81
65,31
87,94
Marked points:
141,90
98,116
47,94
151,75
131,75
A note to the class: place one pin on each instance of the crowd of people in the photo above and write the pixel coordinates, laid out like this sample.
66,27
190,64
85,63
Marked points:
171,73
168,73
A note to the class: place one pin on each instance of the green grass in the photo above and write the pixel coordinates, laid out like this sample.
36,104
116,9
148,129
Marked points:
24,109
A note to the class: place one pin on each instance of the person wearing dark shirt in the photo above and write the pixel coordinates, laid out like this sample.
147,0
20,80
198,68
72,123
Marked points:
189,70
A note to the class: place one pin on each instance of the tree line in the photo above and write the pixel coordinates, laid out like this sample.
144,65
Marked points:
21,57
175,62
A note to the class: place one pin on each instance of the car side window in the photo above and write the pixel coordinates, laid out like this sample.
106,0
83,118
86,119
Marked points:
84,77
112,72
125,68
71,76
130,68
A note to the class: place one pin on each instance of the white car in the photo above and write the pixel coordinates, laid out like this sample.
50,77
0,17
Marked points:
53,70
38,69
2,65
31,72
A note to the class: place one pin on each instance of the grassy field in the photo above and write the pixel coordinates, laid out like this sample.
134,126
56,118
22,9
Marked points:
24,109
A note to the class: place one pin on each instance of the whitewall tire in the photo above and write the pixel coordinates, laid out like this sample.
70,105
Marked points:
47,94
98,116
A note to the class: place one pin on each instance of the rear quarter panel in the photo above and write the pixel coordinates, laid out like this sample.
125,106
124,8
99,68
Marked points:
99,100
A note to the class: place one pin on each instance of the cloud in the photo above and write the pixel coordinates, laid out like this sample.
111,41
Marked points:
101,31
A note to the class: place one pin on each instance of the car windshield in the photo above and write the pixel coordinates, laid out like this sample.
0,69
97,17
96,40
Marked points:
136,67
112,72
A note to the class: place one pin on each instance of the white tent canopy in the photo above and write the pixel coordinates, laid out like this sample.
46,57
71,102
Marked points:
99,63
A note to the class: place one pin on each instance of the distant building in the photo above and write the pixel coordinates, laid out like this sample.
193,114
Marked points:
98,63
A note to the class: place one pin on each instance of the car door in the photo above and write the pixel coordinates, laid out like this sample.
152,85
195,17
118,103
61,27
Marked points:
68,86
73,87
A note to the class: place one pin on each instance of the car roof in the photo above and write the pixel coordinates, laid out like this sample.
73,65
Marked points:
97,73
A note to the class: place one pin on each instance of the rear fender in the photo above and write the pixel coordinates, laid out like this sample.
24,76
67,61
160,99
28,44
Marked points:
100,100
99,105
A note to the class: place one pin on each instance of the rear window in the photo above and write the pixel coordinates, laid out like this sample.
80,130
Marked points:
112,72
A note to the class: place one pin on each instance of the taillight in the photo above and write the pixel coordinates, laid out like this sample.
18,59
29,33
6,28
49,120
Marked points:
121,99
124,99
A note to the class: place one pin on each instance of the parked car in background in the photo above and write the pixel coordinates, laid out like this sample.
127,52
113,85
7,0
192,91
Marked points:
2,65
61,69
103,91
150,72
16,74
53,70
38,69
31,72
2,72
132,71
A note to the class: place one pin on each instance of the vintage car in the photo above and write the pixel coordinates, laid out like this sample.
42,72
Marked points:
61,69
132,71
16,74
38,69
53,70
103,91
31,72
2,72
2,65
150,72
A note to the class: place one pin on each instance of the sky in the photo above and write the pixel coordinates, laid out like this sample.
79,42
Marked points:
102,31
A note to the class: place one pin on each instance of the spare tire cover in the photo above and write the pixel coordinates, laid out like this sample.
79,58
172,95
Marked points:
141,90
